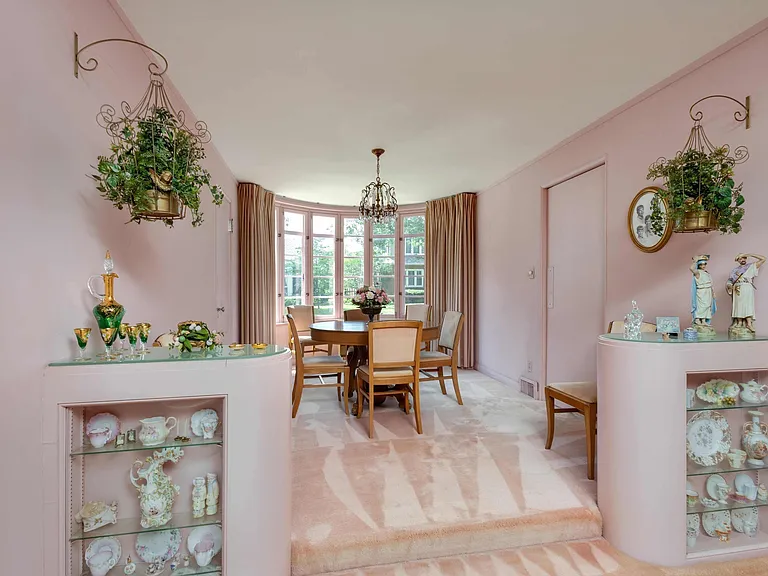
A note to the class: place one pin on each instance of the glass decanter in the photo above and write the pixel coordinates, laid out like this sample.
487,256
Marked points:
633,321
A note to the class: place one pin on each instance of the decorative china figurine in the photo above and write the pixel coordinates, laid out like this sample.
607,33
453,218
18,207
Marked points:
131,435
703,305
96,514
754,439
632,323
212,498
130,566
155,430
198,497
741,287
157,492
204,423
109,312
753,393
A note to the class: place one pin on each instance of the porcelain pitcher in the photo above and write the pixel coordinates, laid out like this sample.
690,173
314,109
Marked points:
155,430
156,492
753,393
754,439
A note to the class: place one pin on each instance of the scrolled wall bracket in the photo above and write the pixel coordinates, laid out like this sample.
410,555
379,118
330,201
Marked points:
739,115
91,64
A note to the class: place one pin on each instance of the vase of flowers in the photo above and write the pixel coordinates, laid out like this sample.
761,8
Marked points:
370,300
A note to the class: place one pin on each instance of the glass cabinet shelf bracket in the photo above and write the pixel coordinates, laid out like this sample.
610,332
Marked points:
723,468
125,526
141,568
87,450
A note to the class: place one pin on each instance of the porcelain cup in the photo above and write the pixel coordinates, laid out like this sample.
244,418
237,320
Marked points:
99,437
750,492
736,458
691,533
204,558
750,528
101,563
691,497
155,430
690,397
762,492
209,427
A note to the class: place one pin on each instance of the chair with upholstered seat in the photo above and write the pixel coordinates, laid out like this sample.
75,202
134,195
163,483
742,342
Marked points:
316,366
450,335
303,317
393,362
421,312
357,315
582,398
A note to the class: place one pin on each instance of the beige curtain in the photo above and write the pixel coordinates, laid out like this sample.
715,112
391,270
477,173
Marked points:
258,296
450,273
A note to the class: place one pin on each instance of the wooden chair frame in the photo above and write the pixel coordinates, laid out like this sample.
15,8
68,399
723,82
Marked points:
325,366
404,385
316,346
586,409
440,363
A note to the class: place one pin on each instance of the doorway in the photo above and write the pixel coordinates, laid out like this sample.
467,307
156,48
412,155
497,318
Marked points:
575,282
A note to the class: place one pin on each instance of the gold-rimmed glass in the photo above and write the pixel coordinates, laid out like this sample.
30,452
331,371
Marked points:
133,337
108,336
122,332
82,341
144,328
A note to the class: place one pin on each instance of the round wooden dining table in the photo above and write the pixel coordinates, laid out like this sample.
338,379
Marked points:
354,335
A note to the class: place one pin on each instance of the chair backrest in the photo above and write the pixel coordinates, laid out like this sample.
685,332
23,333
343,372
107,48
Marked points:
303,316
450,331
418,312
394,344
357,315
297,347
617,327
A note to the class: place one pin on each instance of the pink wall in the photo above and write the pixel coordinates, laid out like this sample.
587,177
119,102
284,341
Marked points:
656,125
55,228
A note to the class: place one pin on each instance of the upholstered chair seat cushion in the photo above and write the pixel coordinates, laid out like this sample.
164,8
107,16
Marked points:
386,372
320,361
430,356
584,391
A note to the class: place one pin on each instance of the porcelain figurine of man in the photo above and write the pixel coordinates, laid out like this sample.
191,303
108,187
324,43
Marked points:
741,287
703,303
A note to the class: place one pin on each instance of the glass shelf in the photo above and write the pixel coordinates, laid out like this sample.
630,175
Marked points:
723,468
730,505
655,338
707,546
110,448
133,526
701,406
141,569
160,354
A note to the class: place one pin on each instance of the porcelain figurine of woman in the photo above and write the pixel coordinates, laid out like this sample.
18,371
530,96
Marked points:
212,498
198,497
703,300
741,287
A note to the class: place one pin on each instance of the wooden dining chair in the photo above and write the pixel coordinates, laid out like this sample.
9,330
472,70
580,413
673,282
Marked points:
581,397
303,317
357,315
421,312
450,336
316,366
393,361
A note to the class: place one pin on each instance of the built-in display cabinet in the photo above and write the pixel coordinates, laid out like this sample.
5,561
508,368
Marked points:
198,480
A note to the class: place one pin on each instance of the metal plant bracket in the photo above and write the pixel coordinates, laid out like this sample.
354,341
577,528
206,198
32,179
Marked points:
154,68
739,115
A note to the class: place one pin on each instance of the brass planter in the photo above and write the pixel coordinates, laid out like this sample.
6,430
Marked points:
698,221
165,206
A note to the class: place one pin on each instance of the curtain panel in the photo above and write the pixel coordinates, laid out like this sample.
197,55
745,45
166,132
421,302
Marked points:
450,265
256,239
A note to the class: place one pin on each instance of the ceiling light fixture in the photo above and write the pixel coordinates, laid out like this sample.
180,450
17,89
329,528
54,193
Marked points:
378,203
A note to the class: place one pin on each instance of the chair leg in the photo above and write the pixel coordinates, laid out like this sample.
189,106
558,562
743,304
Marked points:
346,387
417,405
370,407
590,418
441,377
550,402
359,397
338,388
455,380
299,390
406,403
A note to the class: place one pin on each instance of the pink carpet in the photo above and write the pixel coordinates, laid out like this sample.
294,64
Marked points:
477,480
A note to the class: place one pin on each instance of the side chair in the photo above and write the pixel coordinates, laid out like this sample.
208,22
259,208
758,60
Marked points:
450,336
304,316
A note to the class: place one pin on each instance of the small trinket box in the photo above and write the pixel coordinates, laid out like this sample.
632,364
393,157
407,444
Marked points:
690,334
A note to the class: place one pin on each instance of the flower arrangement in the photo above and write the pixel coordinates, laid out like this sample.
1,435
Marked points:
370,297
194,334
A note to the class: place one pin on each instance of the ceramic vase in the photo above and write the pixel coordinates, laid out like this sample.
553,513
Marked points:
212,499
754,439
156,491
198,497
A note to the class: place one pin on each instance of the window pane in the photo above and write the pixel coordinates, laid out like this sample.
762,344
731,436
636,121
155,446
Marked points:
353,267
354,227
388,284
384,266
322,287
293,245
292,302
351,285
413,225
323,306
413,261
292,287
323,246
322,267
323,225
414,245
384,228
293,267
354,246
383,247
294,222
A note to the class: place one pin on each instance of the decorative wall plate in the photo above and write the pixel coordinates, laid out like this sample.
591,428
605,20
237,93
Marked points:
203,419
717,488
638,221
158,546
104,420
707,438
717,390
720,520
744,517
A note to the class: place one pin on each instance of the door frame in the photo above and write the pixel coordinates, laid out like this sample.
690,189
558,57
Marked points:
544,255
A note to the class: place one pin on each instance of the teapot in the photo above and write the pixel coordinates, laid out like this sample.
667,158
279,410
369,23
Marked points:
753,393
155,430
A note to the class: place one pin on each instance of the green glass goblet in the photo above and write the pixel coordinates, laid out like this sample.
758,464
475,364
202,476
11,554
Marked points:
82,341
122,333
133,336
144,328
108,336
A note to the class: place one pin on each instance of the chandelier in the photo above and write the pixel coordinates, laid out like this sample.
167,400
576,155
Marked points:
378,203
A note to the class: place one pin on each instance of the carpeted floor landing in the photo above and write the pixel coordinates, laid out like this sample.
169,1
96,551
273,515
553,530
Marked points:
477,480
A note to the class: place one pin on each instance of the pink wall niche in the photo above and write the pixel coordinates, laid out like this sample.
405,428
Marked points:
510,213
55,228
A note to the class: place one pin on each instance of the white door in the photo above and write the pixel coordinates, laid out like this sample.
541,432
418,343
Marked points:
223,256
575,276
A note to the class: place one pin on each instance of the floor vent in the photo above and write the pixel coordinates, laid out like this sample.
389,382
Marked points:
529,387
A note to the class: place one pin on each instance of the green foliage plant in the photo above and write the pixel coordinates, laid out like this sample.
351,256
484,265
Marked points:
160,143
697,181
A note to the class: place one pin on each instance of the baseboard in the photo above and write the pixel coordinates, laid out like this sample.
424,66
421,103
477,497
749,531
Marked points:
497,376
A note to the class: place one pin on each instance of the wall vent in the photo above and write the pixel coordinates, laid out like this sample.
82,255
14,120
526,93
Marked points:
529,387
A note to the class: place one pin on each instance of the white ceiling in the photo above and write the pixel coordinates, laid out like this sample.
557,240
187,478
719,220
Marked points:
459,92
